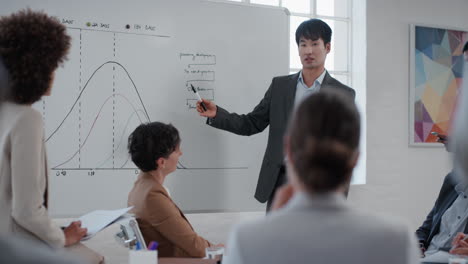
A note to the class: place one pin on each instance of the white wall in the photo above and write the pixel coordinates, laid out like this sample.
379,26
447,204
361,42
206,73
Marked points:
401,180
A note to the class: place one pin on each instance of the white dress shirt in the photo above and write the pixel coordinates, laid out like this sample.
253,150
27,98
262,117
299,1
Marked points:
302,90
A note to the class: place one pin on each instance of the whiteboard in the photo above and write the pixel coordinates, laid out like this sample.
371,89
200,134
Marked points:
132,62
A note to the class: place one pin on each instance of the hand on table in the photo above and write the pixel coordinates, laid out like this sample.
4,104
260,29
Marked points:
74,233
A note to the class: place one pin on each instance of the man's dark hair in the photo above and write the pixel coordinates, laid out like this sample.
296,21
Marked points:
151,141
32,45
314,29
465,48
323,139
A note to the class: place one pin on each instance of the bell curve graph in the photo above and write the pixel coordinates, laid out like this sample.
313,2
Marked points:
140,114
103,92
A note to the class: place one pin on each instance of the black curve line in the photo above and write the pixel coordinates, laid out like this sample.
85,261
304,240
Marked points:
181,165
84,88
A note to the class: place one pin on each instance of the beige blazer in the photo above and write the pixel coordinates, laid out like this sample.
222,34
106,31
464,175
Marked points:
161,220
23,176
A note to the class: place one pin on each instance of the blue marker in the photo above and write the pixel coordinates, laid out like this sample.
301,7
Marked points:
137,246
153,245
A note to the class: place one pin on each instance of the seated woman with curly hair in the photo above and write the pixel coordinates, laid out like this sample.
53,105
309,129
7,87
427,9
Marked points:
155,150
32,45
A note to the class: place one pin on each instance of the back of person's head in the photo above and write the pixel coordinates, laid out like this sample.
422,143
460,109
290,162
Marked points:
323,141
314,29
151,141
32,45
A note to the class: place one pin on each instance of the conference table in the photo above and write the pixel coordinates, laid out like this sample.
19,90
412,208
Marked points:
186,261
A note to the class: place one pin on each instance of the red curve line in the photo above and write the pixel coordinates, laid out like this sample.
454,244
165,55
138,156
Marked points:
120,141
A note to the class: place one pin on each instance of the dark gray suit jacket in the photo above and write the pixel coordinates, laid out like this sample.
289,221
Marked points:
274,110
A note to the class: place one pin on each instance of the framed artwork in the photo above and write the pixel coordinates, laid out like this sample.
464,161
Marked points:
436,68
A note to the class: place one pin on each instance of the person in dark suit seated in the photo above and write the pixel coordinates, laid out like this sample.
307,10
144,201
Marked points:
447,221
457,223
446,218
155,150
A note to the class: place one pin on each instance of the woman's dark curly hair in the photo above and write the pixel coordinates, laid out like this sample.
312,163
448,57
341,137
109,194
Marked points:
151,141
32,45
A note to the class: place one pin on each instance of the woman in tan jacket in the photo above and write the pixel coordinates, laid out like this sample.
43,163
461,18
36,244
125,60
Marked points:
155,149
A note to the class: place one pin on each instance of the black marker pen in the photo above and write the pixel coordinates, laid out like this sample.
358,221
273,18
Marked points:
199,98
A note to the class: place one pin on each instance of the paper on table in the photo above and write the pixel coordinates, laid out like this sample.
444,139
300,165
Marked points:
97,220
438,257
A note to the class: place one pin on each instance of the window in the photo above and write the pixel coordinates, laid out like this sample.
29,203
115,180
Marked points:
336,13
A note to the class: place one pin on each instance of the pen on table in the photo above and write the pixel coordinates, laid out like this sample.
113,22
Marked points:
199,98
153,245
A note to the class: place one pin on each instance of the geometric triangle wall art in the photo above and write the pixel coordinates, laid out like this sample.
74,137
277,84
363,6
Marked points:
436,67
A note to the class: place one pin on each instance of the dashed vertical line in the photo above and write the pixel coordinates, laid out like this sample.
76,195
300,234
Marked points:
113,111
79,111
43,114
